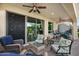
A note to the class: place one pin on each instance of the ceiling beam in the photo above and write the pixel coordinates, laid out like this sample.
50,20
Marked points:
68,7
75,10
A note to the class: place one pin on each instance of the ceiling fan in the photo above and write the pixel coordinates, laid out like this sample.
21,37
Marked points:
35,7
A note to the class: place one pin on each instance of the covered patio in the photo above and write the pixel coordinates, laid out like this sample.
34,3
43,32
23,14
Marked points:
17,21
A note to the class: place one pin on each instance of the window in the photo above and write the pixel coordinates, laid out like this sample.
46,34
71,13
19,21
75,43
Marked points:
40,26
78,26
50,27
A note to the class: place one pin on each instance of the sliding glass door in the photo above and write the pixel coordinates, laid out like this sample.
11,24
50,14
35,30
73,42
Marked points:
34,27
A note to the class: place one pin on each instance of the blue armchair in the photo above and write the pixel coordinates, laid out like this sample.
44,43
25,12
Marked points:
11,45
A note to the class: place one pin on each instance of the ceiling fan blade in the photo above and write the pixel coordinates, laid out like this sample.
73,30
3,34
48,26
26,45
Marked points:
30,10
38,11
41,7
27,6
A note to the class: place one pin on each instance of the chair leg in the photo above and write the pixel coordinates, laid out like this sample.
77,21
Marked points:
61,54
58,54
64,54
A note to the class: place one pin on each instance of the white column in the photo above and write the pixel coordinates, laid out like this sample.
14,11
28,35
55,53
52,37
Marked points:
74,30
46,34
2,23
25,29
55,26
46,28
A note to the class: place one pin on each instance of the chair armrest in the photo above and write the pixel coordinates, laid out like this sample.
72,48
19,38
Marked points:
11,47
62,47
19,41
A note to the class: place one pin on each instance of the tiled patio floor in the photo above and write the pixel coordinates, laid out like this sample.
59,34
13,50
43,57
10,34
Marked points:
75,48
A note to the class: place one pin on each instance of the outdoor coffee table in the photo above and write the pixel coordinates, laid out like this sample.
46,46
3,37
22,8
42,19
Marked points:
26,46
37,48
28,52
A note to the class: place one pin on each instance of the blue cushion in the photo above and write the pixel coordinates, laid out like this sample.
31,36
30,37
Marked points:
11,54
7,40
14,54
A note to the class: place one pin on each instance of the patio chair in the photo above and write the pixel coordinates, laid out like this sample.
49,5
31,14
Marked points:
63,48
37,46
11,45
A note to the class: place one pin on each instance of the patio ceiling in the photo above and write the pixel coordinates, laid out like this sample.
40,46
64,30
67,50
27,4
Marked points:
53,10
76,6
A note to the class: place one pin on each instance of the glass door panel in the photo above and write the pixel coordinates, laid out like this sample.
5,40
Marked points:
34,27
31,29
